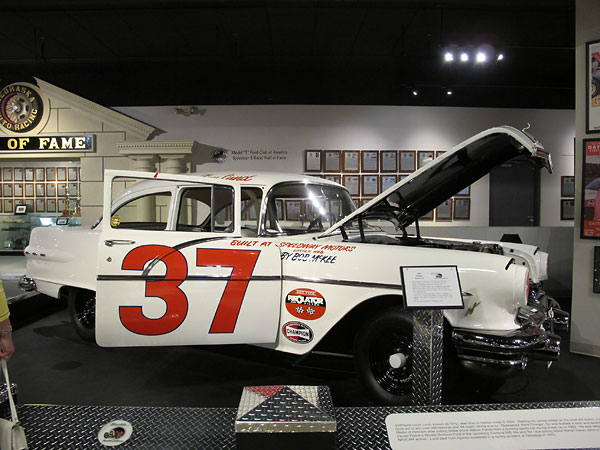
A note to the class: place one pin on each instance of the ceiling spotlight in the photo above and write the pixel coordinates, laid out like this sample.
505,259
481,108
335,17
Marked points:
448,57
480,57
449,92
500,57
415,92
464,57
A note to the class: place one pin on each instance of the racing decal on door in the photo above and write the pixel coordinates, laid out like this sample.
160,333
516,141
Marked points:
305,304
242,263
297,332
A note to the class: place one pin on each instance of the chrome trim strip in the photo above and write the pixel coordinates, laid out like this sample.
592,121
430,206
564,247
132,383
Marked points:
343,282
189,277
254,278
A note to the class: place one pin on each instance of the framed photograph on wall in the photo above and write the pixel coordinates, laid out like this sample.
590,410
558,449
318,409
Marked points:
567,209
462,209
73,173
18,174
389,161
29,174
293,209
50,174
387,181
590,208
370,185
18,189
61,189
40,174
443,212
51,205
352,183
370,161
73,189
351,161
567,186
29,192
40,190
333,161
312,160
407,161
7,190
8,205
40,205
61,204
61,174
592,104
425,157
279,208
50,190
7,175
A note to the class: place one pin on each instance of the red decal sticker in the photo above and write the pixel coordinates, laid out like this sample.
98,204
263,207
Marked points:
166,289
297,332
305,304
242,263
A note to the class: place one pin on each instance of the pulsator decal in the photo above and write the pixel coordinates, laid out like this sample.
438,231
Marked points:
305,304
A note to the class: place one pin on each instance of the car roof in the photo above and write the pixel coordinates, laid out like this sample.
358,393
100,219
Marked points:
161,181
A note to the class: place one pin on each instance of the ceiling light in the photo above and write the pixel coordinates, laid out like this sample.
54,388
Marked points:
449,92
415,92
500,57
464,57
448,57
480,58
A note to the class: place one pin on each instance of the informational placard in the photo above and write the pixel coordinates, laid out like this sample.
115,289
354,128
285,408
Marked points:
431,287
590,211
507,430
312,161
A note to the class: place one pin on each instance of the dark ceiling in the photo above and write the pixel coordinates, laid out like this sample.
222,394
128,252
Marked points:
148,52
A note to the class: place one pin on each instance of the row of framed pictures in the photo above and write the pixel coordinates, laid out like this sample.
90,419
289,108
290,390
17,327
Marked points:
38,205
39,189
300,210
40,174
372,185
367,161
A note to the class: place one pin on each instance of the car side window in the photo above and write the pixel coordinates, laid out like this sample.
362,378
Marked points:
206,208
251,202
149,212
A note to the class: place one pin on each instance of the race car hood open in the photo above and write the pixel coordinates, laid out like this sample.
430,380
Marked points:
447,175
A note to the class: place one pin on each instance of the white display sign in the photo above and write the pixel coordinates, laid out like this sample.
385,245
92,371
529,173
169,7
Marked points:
431,287
506,430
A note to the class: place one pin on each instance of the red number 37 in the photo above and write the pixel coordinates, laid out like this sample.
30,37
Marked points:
242,263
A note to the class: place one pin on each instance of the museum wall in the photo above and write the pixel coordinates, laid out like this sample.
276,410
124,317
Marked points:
585,333
273,138
282,133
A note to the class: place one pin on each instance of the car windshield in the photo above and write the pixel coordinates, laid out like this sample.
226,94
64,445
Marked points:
294,208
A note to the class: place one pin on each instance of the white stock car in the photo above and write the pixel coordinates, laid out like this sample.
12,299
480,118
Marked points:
284,260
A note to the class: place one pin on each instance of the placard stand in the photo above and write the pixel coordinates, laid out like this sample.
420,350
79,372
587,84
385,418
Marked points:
428,350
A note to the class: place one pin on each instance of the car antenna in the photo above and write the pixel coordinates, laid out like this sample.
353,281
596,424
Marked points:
526,128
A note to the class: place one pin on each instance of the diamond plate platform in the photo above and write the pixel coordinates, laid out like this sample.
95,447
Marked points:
76,427
285,409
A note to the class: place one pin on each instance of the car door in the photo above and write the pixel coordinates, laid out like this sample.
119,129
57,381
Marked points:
173,268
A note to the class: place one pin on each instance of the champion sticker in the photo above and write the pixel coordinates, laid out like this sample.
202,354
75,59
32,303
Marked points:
305,304
115,433
297,332
115,221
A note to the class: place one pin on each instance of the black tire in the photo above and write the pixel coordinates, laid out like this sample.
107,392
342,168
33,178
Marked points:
385,333
82,308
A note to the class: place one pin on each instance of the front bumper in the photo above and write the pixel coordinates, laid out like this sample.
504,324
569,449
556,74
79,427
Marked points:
536,339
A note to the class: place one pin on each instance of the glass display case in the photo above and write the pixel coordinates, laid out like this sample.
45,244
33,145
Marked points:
15,229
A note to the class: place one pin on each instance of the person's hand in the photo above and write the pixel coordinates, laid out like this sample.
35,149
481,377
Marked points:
7,347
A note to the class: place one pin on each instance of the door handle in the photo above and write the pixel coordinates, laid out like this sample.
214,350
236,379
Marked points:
112,242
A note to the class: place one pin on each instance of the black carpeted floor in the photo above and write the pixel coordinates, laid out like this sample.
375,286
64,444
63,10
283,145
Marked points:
52,365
